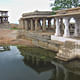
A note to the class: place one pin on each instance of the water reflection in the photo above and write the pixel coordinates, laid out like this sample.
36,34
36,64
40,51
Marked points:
60,70
38,60
25,63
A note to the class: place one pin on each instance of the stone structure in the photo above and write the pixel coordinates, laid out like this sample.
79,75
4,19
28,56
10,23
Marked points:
3,17
71,47
66,15
4,23
41,20
36,20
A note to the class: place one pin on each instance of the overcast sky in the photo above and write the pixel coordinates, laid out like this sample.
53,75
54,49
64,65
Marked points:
17,7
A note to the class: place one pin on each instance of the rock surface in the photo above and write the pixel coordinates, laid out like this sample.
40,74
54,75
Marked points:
10,37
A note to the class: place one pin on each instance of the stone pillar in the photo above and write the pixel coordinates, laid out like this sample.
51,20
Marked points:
39,24
57,33
76,29
32,25
61,26
79,29
54,22
29,24
44,24
49,23
54,25
6,13
2,20
66,30
36,24
21,23
26,24
23,26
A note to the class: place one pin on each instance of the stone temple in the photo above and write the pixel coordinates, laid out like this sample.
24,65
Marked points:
42,20
36,20
4,23
63,31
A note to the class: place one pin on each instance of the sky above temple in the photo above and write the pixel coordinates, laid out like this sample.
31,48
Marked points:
17,7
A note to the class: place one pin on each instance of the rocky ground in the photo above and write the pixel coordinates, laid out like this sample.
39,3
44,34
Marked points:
10,37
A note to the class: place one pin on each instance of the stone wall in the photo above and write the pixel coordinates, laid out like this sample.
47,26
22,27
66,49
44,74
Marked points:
39,40
65,50
69,51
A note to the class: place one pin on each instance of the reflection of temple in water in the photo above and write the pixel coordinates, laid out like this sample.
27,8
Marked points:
39,62
4,48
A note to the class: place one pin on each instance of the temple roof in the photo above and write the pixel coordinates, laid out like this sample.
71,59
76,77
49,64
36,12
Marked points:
37,13
48,14
68,12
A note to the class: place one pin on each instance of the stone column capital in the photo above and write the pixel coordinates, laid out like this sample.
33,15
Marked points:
67,18
44,19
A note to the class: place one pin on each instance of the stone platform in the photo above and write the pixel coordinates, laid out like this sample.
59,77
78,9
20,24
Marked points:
64,39
70,48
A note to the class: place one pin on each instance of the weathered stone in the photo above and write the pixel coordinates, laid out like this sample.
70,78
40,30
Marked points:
26,25
32,25
43,44
36,25
35,42
53,47
44,24
21,24
69,51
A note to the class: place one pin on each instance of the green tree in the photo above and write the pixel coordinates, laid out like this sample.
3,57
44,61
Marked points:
64,4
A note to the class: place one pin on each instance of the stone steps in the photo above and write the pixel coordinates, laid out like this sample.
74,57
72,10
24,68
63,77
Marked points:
38,36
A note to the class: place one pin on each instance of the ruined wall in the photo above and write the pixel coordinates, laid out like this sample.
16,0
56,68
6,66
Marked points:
39,40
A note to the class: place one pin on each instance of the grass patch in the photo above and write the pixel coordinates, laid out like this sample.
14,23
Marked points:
14,28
